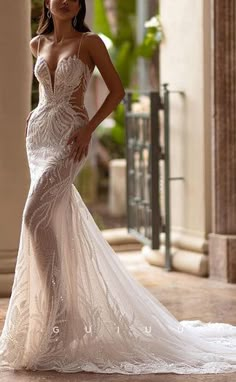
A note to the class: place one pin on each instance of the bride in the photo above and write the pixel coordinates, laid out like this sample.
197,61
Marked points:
74,307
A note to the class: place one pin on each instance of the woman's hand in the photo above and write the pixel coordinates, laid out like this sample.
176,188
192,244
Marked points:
79,142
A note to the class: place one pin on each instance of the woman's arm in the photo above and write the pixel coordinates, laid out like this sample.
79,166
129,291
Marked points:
100,57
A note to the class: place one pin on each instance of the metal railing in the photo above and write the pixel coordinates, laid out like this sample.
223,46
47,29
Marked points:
147,217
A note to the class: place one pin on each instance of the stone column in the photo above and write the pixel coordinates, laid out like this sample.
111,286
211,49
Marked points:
15,96
185,64
222,248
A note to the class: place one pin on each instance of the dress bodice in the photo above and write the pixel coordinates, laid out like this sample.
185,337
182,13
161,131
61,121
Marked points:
71,75
61,109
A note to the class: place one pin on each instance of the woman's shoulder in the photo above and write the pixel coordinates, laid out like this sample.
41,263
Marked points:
34,45
92,35
93,39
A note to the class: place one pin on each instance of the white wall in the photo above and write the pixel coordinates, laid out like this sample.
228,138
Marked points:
185,66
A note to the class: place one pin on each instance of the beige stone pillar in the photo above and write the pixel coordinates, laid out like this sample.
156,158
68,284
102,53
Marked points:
223,239
185,63
15,95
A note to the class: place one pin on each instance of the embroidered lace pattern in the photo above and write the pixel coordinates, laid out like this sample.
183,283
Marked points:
74,306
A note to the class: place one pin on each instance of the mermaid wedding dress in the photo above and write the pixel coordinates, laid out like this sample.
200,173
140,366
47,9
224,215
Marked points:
74,307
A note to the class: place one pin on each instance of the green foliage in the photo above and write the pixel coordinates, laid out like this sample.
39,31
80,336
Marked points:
118,134
122,52
152,38
36,9
35,4
124,62
100,21
123,57
120,114
113,138
126,27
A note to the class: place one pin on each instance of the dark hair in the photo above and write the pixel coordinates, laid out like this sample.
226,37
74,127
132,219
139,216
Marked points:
46,25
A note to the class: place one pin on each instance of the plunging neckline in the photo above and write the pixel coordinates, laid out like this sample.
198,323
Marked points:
74,56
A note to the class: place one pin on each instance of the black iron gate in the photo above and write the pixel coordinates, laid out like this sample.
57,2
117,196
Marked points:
144,152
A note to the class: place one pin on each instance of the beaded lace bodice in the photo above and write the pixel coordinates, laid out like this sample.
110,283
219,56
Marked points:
71,76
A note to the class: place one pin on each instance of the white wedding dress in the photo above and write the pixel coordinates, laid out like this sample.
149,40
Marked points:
74,307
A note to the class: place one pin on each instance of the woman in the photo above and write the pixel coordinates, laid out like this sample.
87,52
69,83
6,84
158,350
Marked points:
73,306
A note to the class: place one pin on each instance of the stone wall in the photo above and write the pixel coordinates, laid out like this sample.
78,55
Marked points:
15,97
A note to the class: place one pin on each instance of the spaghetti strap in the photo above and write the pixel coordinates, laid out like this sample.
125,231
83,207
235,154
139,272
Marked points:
80,43
38,46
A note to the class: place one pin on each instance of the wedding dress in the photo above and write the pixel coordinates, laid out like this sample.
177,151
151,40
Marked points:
74,306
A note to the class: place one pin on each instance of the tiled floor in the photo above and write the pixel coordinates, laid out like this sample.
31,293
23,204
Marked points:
186,296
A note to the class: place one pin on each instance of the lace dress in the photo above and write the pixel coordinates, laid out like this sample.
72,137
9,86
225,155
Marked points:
74,307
